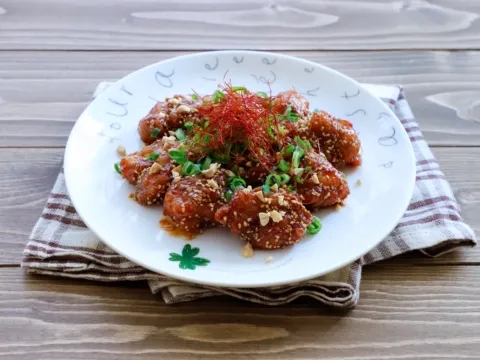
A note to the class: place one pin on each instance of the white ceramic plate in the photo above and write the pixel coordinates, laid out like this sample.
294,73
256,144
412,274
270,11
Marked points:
101,196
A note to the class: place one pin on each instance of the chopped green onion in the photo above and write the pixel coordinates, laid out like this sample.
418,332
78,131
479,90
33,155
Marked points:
155,132
289,114
315,226
291,188
221,158
188,125
282,130
271,132
237,183
283,165
152,156
205,124
289,149
272,179
262,94
116,166
206,163
178,156
239,88
180,134
206,139
296,157
217,96
304,144
189,168
299,179
266,189
194,97
228,195
284,178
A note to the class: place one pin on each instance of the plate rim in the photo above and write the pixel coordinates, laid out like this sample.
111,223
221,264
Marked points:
212,282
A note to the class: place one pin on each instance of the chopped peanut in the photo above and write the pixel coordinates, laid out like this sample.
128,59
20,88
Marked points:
264,218
358,182
210,172
276,216
155,168
274,187
260,196
184,109
315,179
247,250
281,200
213,184
268,259
121,151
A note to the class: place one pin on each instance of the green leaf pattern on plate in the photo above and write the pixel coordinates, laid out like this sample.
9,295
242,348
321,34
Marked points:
189,260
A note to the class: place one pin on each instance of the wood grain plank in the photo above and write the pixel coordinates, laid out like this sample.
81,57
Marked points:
42,93
405,312
254,24
27,176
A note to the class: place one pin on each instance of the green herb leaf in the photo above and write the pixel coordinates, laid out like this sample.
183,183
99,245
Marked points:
228,195
152,156
188,126
155,132
315,226
194,97
178,156
262,94
291,188
283,165
116,166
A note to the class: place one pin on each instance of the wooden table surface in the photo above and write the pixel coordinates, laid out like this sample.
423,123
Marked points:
52,55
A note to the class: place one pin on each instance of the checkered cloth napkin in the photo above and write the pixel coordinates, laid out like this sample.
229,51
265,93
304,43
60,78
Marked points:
61,244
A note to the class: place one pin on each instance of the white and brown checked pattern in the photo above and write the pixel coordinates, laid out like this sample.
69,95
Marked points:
61,245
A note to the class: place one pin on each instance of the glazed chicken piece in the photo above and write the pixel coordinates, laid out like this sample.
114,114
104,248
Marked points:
337,139
270,221
324,185
165,116
298,103
133,165
191,202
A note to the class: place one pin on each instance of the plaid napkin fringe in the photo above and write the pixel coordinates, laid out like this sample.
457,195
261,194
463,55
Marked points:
61,244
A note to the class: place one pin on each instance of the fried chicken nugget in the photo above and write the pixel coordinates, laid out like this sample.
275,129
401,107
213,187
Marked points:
165,116
192,202
337,139
324,185
270,221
